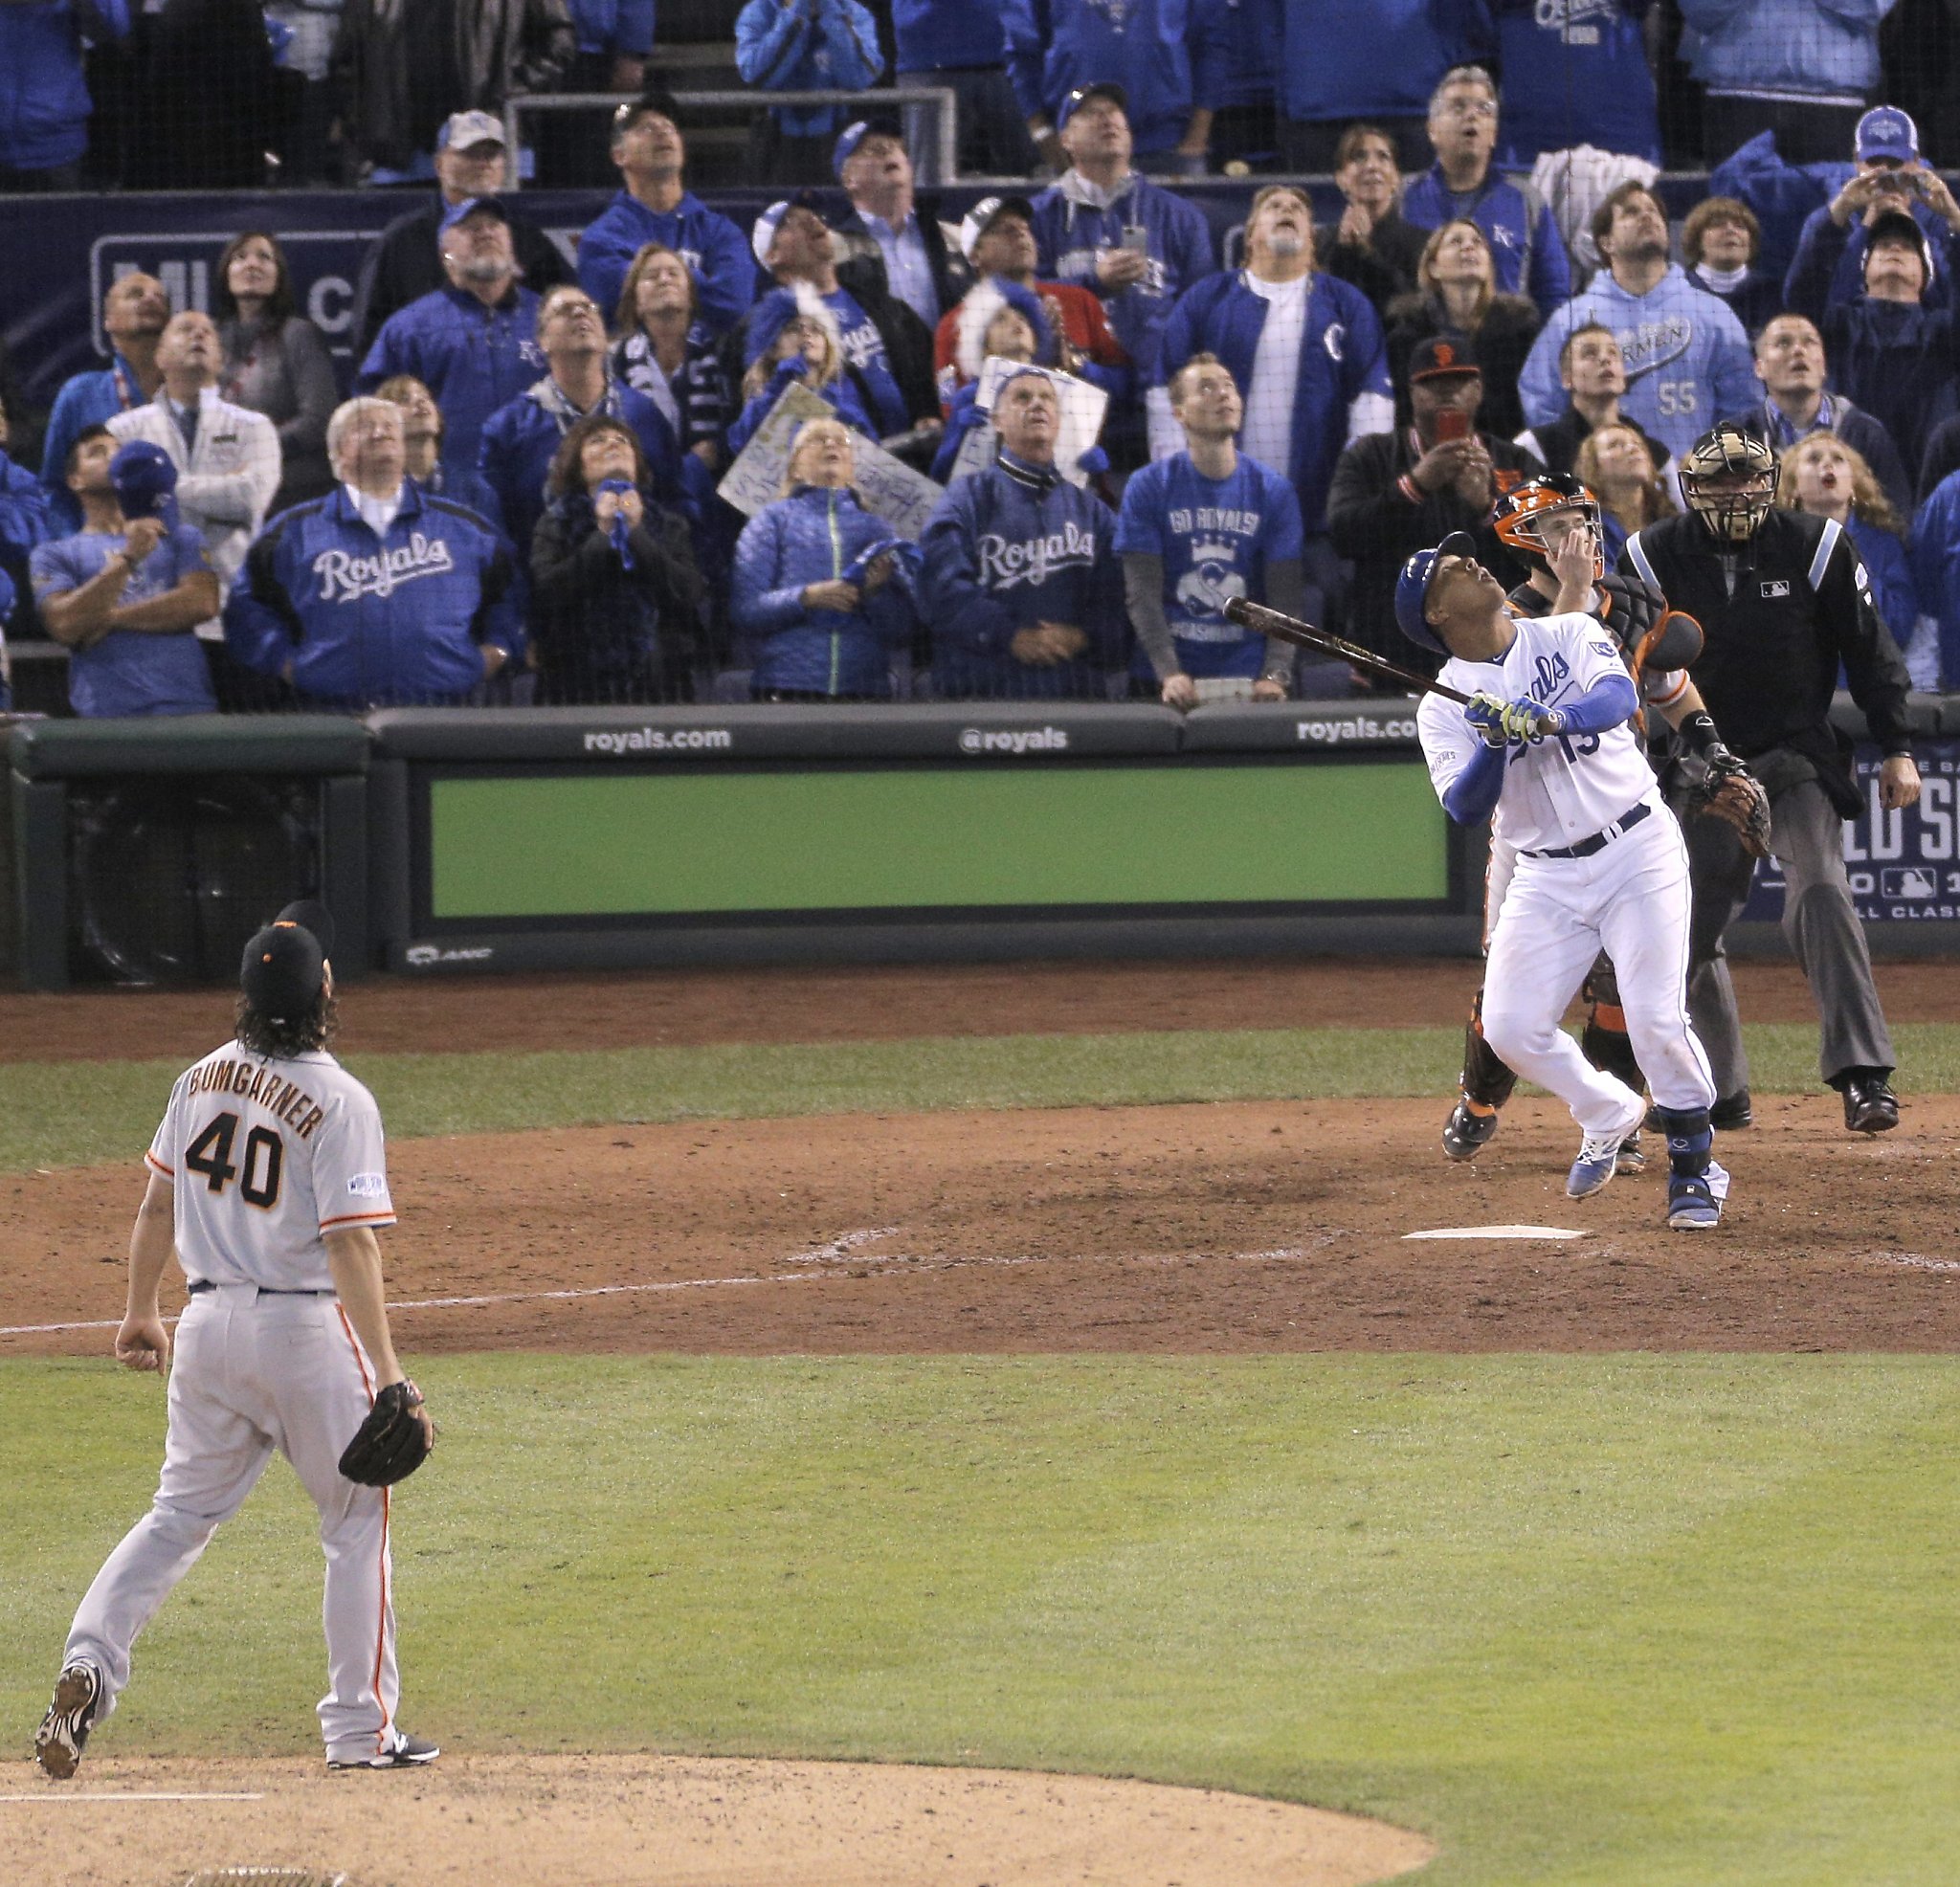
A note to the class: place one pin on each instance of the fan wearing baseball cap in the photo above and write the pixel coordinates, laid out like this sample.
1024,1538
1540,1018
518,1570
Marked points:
998,239
656,206
1891,352
126,592
1167,62
1890,178
405,262
890,224
1395,492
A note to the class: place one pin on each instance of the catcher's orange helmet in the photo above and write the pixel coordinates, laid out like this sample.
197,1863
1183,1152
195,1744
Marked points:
1517,513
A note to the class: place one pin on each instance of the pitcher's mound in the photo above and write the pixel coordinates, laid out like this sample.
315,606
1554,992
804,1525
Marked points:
625,1821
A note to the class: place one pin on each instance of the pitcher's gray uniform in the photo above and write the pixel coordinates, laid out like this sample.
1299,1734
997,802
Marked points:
264,1156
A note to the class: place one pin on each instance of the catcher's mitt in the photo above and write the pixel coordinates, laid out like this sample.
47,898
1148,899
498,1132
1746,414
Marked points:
393,1441
1734,796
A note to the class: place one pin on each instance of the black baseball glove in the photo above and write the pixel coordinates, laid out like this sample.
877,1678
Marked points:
1734,796
393,1441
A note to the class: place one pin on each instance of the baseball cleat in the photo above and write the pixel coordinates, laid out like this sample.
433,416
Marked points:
1695,1201
64,1730
1630,1158
1870,1106
1600,1157
410,1753
1466,1131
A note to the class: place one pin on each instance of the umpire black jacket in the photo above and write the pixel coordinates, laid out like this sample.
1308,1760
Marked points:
1777,616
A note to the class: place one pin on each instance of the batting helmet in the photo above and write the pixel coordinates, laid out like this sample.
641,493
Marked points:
1412,588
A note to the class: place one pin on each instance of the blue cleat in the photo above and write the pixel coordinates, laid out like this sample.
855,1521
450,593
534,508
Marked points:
1695,1201
1600,1157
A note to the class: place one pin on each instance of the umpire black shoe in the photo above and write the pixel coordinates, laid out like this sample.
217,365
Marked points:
408,1753
1465,1131
1870,1106
1732,1112
70,1716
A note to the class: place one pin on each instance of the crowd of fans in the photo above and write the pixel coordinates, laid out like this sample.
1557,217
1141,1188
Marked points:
524,500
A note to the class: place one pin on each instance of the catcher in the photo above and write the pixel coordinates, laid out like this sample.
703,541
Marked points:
1552,524
267,1178
1785,600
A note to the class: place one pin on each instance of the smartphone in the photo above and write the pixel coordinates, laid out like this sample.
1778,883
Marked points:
1137,238
1452,423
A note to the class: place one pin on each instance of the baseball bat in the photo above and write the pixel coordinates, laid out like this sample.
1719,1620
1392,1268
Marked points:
1290,629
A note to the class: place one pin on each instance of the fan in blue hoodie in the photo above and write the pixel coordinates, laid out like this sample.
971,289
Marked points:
822,586
1021,585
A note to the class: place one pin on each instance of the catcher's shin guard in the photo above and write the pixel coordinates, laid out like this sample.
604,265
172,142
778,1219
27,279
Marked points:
1488,1080
1604,1041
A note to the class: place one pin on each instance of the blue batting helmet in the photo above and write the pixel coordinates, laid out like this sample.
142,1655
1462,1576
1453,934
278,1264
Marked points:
1412,588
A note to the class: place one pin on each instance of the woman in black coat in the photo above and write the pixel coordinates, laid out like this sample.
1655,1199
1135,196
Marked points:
614,593
1456,294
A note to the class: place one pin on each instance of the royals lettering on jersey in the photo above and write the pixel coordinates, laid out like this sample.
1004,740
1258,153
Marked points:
345,577
265,1156
1033,560
1557,789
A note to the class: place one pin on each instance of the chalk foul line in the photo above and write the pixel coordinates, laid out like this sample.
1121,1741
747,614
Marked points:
894,1264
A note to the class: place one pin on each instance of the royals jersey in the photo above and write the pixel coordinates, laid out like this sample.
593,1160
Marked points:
1558,788
265,1156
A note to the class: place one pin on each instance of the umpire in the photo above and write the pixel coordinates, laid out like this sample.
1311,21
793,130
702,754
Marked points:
1783,598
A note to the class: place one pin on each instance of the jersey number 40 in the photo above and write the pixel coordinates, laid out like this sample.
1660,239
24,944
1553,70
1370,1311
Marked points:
265,1155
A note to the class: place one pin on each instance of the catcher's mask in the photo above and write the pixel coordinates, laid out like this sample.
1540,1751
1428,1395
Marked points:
1729,453
1519,513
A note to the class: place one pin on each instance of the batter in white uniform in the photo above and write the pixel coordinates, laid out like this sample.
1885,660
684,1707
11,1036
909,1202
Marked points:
268,1178
1600,861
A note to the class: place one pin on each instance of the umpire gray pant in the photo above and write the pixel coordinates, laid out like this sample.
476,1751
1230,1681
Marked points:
1807,837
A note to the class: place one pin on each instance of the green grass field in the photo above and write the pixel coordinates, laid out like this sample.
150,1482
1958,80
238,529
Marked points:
1675,1621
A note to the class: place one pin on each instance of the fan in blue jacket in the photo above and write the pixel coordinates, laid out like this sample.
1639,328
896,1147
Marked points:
1377,60
822,591
1525,242
1340,382
1793,66
474,343
1171,57
522,437
1115,232
807,46
1895,357
655,206
998,319
44,102
1889,177
1021,585
377,595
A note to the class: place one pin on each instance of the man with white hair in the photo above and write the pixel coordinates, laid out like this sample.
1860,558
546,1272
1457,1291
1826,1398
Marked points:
888,224
378,594
1305,349
227,456
1526,247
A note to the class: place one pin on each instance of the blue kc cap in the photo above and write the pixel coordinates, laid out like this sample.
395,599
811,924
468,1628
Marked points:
143,478
1886,131
1412,588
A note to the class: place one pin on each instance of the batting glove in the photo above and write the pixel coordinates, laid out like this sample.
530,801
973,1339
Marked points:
1521,720
1487,714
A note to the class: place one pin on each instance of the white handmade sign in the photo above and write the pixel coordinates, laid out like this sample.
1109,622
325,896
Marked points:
888,487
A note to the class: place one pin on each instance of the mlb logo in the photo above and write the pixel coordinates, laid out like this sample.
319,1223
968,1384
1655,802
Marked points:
1913,881
1772,590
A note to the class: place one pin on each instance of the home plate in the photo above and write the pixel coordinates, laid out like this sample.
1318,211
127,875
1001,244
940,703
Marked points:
1497,1231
